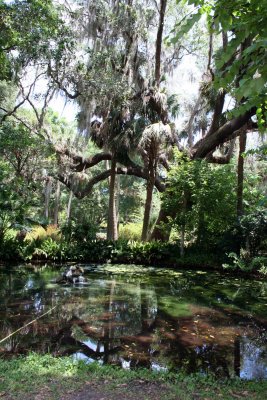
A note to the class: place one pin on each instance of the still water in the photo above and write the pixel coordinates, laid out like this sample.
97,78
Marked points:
130,316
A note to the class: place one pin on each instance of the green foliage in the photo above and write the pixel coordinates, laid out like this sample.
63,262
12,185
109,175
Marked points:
238,263
9,244
62,377
79,232
245,263
40,233
253,227
202,197
102,251
20,45
41,243
131,231
23,158
245,75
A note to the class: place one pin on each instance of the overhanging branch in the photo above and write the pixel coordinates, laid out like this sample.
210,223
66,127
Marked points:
80,163
71,182
203,147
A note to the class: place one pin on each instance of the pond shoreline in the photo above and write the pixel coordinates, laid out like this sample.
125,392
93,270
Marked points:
46,377
135,316
168,265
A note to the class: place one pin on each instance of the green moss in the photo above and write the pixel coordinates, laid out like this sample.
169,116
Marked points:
174,308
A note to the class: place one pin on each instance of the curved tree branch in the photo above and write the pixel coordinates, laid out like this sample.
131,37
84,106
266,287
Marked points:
80,163
223,159
139,172
204,146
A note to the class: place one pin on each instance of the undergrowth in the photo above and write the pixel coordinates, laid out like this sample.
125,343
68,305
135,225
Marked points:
25,377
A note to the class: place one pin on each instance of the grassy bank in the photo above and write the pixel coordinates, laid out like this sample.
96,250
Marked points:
45,377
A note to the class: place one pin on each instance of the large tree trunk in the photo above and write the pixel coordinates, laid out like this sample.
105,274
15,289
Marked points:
148,203
204,146
117,200
162,229
240,173
47,194
182,231
163,4
57,203
112,230
69,207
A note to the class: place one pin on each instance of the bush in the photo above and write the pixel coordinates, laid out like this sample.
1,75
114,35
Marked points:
79,232
131,231
40,233
9,248
254,230
246,263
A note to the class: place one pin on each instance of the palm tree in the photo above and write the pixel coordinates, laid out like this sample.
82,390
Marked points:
114,136
153,142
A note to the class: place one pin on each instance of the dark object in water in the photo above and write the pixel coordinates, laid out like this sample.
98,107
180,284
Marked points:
74,275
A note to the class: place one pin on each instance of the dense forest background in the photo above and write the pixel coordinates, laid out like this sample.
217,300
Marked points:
165,161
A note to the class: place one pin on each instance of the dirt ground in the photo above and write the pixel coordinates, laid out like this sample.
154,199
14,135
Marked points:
134,390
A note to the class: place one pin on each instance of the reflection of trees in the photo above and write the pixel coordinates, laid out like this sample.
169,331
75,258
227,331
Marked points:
119,312
23,298
122,319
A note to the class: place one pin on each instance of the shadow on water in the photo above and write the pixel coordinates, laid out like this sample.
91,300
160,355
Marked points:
134,317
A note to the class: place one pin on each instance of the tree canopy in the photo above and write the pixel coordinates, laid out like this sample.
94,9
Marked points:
121,63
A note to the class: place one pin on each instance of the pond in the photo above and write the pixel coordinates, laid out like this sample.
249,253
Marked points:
162,319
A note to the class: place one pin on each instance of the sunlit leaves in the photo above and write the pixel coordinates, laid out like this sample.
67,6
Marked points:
241,63
30,30
202,195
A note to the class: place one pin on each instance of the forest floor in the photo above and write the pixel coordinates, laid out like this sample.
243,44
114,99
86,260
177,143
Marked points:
106,390
38,377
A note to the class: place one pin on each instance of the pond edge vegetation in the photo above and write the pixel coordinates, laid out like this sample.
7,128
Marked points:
52,377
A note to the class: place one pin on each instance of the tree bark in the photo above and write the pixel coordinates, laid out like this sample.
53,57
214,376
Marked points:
47,194
182,231
117,201
163,5
69,207
240,173
148,203
112,231
162,229
57,203
137,171
202,148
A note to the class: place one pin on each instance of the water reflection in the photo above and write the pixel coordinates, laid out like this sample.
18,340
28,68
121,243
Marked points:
128,316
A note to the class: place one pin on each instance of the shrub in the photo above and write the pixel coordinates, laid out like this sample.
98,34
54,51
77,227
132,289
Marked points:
246,263
79,232
9,248
131,231
40,233
254,229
